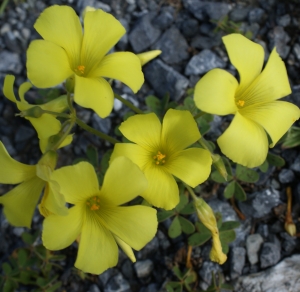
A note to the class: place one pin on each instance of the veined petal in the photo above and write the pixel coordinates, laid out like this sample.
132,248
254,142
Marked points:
47,64
162,188
144,130
94,93
191,165
98,250
12,171
270,85
61,231
101,32
8,88
275,117
61,26
19,203
215,91
77,182
58,104
131,182
135,225
134,152
179,130
125,247
244,142
123,66
246,56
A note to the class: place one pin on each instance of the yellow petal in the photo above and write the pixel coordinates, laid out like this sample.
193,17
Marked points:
61,231
122,66
77,182
24,87
134,152
8,88
179,130
125,247
58,104
162,188
144,130
191,165
216,253
98,250
270,85
148,56
19,203
61,26
101,32
244,142
94,93
246,56
135,225
12,171
275,117
215,91
131,182
47,64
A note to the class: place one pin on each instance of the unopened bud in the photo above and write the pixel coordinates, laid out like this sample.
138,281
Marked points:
33,112
290,228
70,84
219,165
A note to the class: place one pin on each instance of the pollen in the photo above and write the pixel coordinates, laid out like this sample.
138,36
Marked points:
241,103
93,203
80,69
159,158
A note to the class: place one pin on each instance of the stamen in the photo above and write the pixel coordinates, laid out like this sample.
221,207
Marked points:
241,103
80,69
159,158
93,203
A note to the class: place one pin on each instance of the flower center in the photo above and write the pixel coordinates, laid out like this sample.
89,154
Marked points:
240,102
159,158
93,203
80,69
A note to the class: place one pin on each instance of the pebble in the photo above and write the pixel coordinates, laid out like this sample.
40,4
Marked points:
286,176
279,38
270,255
117,284
256,15
102,125
143,268
206,269
10,62
237,259
253,244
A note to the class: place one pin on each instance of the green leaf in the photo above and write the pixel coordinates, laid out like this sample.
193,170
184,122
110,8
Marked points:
105,160
198,238
246,174
175,228
182,202
163,215
27,238
6,268
41,282
188,209
228,166
92,155
54,287
218,216
188,104
177,272
186,226
229,225
22,257
154,104
227,287
25,277
174,287
202,228
275,160
227,236
229,190
264,167
217,177
9,286
225,247
239,192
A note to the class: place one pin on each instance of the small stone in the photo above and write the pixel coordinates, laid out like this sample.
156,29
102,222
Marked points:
164,79
286,176
204,62
117,284
102,125
270,255
149,249
256,15
239,14
253,244
94,288
279,38
189,28
106,275
163,240
18,231
10,62
24,133
284,20
173,46
164,19
296,51
237,257
206,269
143,268
143,34
206,42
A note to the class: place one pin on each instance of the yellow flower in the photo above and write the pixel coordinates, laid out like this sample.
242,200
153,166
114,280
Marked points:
160,153
67,52
46,125
19,203
207,217
253,101
96,216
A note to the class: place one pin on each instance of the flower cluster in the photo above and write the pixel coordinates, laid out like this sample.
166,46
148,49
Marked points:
156,155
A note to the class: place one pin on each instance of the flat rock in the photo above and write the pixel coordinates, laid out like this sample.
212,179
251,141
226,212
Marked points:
284,277
237,259
10,62
270,254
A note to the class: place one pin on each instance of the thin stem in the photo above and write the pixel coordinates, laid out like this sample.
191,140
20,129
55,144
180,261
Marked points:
128,103
61,115
69,99
84,126
3,6
188,257
70,125
191,191
199,115
205,144
234,206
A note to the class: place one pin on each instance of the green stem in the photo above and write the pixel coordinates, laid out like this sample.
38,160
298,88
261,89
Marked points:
69,99
61,115
128,103
205,144
191,191
70,125
3,6
96,132
199,115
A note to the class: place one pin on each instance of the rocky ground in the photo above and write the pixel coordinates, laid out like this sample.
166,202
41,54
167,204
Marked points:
263,257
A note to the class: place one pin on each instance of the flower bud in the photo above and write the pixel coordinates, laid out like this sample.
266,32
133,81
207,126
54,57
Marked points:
70,84
32,112
207,217
290,228
219,165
